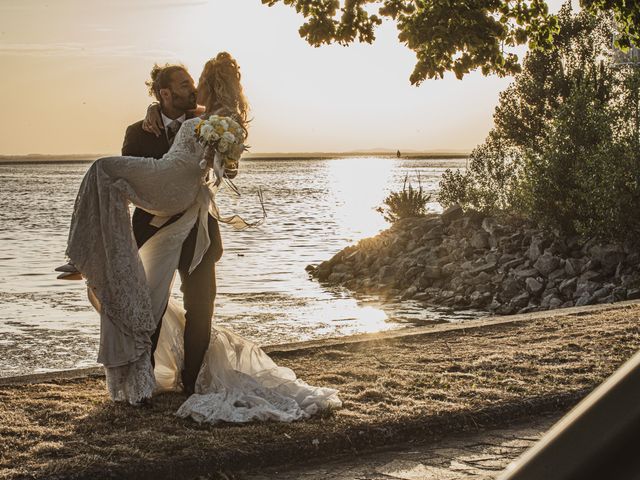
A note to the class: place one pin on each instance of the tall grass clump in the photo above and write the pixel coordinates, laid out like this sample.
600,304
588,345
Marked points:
408,202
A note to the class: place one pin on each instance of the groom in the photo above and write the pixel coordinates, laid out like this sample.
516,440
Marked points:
174,88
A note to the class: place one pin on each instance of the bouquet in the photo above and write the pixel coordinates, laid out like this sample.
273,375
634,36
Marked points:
223,138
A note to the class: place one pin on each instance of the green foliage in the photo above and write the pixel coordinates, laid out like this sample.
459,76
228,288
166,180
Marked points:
490,180
565,149
408,202
452,35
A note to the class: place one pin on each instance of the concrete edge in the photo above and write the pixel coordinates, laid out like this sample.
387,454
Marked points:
300,347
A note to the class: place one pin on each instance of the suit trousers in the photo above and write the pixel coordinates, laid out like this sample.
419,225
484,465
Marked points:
198,289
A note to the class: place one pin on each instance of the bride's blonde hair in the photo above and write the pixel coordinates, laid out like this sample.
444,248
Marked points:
223,93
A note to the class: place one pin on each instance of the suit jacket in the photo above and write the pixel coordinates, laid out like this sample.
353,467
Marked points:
140,143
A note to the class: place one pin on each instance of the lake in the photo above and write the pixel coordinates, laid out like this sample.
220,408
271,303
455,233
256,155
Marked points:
314,209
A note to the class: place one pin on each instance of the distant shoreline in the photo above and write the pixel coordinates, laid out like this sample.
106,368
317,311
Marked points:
85,158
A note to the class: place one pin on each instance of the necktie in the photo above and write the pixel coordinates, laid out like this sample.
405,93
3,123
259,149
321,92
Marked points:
172,130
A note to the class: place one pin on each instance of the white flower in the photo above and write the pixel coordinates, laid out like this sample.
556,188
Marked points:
225,124
205,131
229,137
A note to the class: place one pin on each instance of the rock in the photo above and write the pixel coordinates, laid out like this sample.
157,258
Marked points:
387,272
323,271
557,273
633,258
619,294
584,299
528,308
494,305
602,292
589,275
435,233
608,256
452,213
585,287
489,225
510,288
341,268
482,278
633,294
547,263
412,273
486,267
558,247
409,293
527,272
574,266
555,302
432,272
512,264
632,280
535,249
480,240
533,286
520,301
568,286
336,278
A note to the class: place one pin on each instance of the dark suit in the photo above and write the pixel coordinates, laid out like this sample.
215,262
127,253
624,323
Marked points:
199,287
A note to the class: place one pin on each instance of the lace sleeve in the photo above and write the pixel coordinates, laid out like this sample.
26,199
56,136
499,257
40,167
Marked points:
186,144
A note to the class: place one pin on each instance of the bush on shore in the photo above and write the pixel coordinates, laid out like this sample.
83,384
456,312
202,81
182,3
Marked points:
565,149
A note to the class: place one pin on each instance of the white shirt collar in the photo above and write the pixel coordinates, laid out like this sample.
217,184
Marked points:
166,120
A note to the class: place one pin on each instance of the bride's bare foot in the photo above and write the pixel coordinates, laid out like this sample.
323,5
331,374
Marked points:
69,272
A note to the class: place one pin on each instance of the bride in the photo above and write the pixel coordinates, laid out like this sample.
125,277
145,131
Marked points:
130,288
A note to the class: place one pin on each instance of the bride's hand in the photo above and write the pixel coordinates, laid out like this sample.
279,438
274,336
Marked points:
152,122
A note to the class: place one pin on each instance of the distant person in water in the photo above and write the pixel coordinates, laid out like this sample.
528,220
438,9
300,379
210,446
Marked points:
398,154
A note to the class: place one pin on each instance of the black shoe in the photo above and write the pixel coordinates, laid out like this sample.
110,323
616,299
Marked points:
188,390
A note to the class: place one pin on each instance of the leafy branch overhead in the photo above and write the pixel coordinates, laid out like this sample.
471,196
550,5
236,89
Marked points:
452,35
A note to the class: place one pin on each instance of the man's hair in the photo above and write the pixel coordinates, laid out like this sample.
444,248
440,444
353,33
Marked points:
161,78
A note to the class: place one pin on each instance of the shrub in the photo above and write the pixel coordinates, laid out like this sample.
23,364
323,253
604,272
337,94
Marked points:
408,202
565,148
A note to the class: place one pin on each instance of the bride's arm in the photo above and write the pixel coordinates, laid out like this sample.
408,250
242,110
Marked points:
152,122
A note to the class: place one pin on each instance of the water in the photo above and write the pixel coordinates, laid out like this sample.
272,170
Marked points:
315,208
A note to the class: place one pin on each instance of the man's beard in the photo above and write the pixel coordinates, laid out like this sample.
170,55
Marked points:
185,103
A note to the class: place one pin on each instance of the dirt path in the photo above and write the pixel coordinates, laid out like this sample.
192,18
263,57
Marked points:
394,390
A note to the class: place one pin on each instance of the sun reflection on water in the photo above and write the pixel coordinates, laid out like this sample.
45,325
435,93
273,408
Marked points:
357,184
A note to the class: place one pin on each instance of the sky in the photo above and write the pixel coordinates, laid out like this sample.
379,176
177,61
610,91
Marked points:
73,74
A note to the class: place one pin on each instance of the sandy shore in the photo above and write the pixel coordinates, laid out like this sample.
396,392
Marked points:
423,383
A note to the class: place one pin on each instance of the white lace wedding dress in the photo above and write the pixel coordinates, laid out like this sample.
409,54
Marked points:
238,382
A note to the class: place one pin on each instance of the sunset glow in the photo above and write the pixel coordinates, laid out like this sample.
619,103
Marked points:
79,68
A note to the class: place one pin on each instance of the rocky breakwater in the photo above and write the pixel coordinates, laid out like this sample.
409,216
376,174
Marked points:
466,260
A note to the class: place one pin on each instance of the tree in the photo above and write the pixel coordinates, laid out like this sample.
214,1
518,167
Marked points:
565,147
453,35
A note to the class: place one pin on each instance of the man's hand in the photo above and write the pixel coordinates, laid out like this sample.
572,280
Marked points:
152,123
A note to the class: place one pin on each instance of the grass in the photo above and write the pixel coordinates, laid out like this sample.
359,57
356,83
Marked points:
393,390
